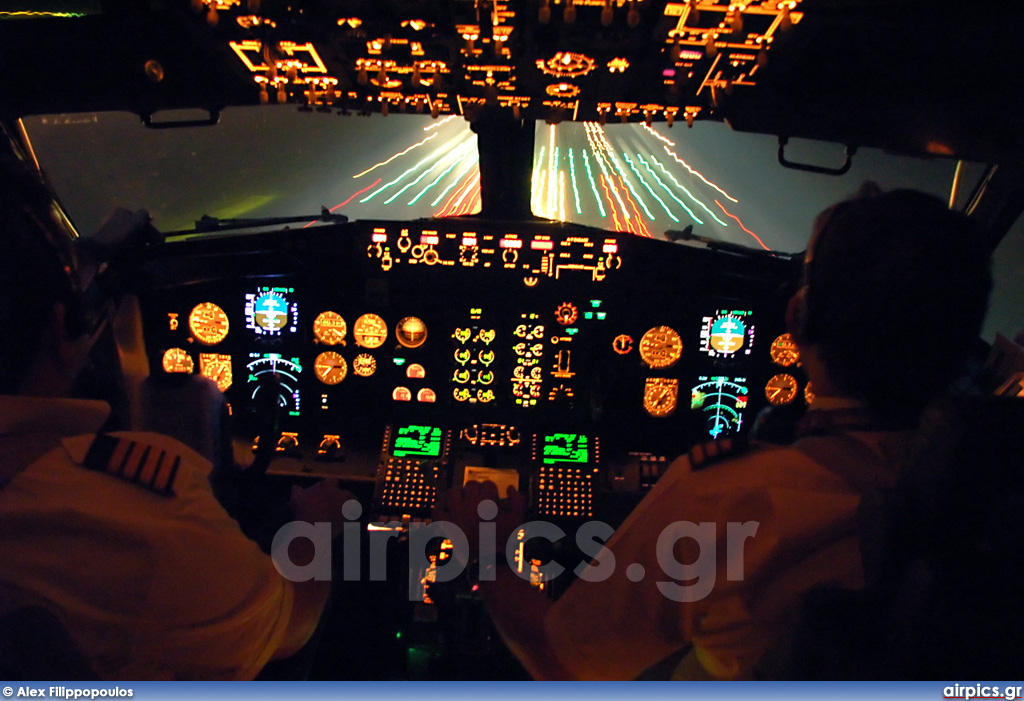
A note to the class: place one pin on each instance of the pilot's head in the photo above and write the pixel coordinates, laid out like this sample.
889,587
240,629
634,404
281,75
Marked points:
895,291
42,309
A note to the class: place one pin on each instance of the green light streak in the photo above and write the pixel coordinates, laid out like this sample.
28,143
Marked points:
447,152
593,185
440,197
688,193
537,182
625,179
439,178
601,162
572,177
644,183
670,193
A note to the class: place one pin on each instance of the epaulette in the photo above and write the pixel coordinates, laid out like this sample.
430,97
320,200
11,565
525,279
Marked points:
705,454
147,466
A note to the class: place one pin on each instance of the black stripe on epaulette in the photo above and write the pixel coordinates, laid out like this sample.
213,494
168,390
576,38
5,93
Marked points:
100,452
101,457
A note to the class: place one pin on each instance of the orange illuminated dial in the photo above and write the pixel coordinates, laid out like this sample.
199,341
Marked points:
781,389
661,347
217,367
566,313
808,394
784,351
622,344
369,331
661,394
364,365
330,368
330,328
411,332
208,323
177,360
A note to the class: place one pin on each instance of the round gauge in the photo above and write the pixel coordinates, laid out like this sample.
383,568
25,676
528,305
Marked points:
661,347
784,351
370,331
411,332
781,389
217,367
661,395
364,365
808,394
566,313
722,401
177,360
622,344
208,323
330,368
330,328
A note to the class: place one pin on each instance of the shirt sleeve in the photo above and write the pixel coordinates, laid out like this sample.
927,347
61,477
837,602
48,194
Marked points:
690,564
217,608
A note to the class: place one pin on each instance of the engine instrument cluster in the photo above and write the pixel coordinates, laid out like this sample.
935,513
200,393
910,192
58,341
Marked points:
550,353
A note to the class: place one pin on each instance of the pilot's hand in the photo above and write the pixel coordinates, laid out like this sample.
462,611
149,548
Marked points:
462,506
322,501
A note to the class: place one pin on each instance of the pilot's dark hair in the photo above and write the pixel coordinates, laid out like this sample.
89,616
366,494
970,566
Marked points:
37,269
897,287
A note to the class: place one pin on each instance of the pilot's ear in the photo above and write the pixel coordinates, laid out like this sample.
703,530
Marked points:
796,317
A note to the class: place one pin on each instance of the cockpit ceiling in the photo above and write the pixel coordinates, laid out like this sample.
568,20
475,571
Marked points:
919,77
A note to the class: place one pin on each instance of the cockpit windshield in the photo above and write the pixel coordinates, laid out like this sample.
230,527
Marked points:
723,185
276,161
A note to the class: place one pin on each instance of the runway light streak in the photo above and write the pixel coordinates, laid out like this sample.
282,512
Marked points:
537,183
454,206
653,194
623,177
656,135
445,154
706,181
455,161
437,125
397,155
469,166
641,226
615,218
688,194
733,216
561,195
339,206
667,189
607,178
572,179
593,185
439,153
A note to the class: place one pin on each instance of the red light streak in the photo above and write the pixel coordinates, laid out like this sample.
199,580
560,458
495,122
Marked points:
449,207
640,224
732,216
339,206
611,205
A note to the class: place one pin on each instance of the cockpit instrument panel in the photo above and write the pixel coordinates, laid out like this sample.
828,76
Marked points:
639,346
